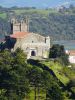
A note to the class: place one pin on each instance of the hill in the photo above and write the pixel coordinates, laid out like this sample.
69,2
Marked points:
58,23
34,79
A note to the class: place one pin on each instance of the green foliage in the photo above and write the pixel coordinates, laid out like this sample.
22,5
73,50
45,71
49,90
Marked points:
19,80
57,24
55,93
66,75
58,70
48,80
58,51
69,72
13,75
3,15
53,90
42,79
19,56
2,46
71,86
73,89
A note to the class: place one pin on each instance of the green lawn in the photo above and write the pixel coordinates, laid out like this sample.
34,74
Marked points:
58,70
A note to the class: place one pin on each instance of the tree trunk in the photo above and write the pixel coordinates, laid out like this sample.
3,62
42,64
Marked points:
35,93
38,93
46,94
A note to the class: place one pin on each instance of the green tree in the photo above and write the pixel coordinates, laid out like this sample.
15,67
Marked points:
71,86
21,68
13,75
36,79
5,68
55,93
58,51
50,84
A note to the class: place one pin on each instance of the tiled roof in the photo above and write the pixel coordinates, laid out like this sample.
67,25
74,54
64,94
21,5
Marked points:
19,34
71,52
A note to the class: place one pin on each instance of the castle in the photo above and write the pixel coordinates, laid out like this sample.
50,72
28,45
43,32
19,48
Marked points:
34,45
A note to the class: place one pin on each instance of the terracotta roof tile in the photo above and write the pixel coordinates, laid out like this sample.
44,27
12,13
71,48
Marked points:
19,34
71,52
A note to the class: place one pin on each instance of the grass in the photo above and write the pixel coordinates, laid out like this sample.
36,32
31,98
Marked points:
3,15
70,72
58,70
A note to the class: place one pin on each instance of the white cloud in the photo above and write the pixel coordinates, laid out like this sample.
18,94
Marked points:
66,3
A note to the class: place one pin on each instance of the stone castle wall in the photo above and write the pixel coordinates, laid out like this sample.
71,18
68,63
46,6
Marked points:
33,42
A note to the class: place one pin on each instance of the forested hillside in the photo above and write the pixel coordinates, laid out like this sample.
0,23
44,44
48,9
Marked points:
22,79
59,24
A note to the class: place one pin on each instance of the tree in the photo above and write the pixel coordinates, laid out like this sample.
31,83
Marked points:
20,68
2,46
36,79
19,56
55,93
13,75
71,86
58,51
5,68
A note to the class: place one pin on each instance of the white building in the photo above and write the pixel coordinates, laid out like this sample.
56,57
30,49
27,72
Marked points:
71,55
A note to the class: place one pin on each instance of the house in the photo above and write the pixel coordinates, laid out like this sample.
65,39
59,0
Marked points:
34,45
71,54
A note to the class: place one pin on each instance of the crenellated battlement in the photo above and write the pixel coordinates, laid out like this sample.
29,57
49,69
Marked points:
19,26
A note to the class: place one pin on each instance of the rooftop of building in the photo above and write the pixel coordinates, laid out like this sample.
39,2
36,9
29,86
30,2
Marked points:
71,52
19,35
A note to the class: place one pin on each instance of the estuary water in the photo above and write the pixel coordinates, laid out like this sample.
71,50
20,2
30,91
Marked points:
68,44
1,36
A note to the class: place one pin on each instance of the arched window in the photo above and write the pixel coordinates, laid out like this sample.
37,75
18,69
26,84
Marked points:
33,53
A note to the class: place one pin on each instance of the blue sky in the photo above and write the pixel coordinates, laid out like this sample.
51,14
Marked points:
35,3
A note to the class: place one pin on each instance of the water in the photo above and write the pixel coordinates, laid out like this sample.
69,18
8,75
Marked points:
68,44
1,36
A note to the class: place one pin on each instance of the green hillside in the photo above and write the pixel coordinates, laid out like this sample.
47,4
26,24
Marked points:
59,24
64,74
22,79
38,11
3,15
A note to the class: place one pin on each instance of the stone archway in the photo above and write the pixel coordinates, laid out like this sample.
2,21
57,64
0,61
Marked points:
33,53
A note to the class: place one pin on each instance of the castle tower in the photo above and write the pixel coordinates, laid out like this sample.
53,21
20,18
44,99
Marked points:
21,26
15,26
24,25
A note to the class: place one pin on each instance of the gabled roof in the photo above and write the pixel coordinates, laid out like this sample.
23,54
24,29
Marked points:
19,35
